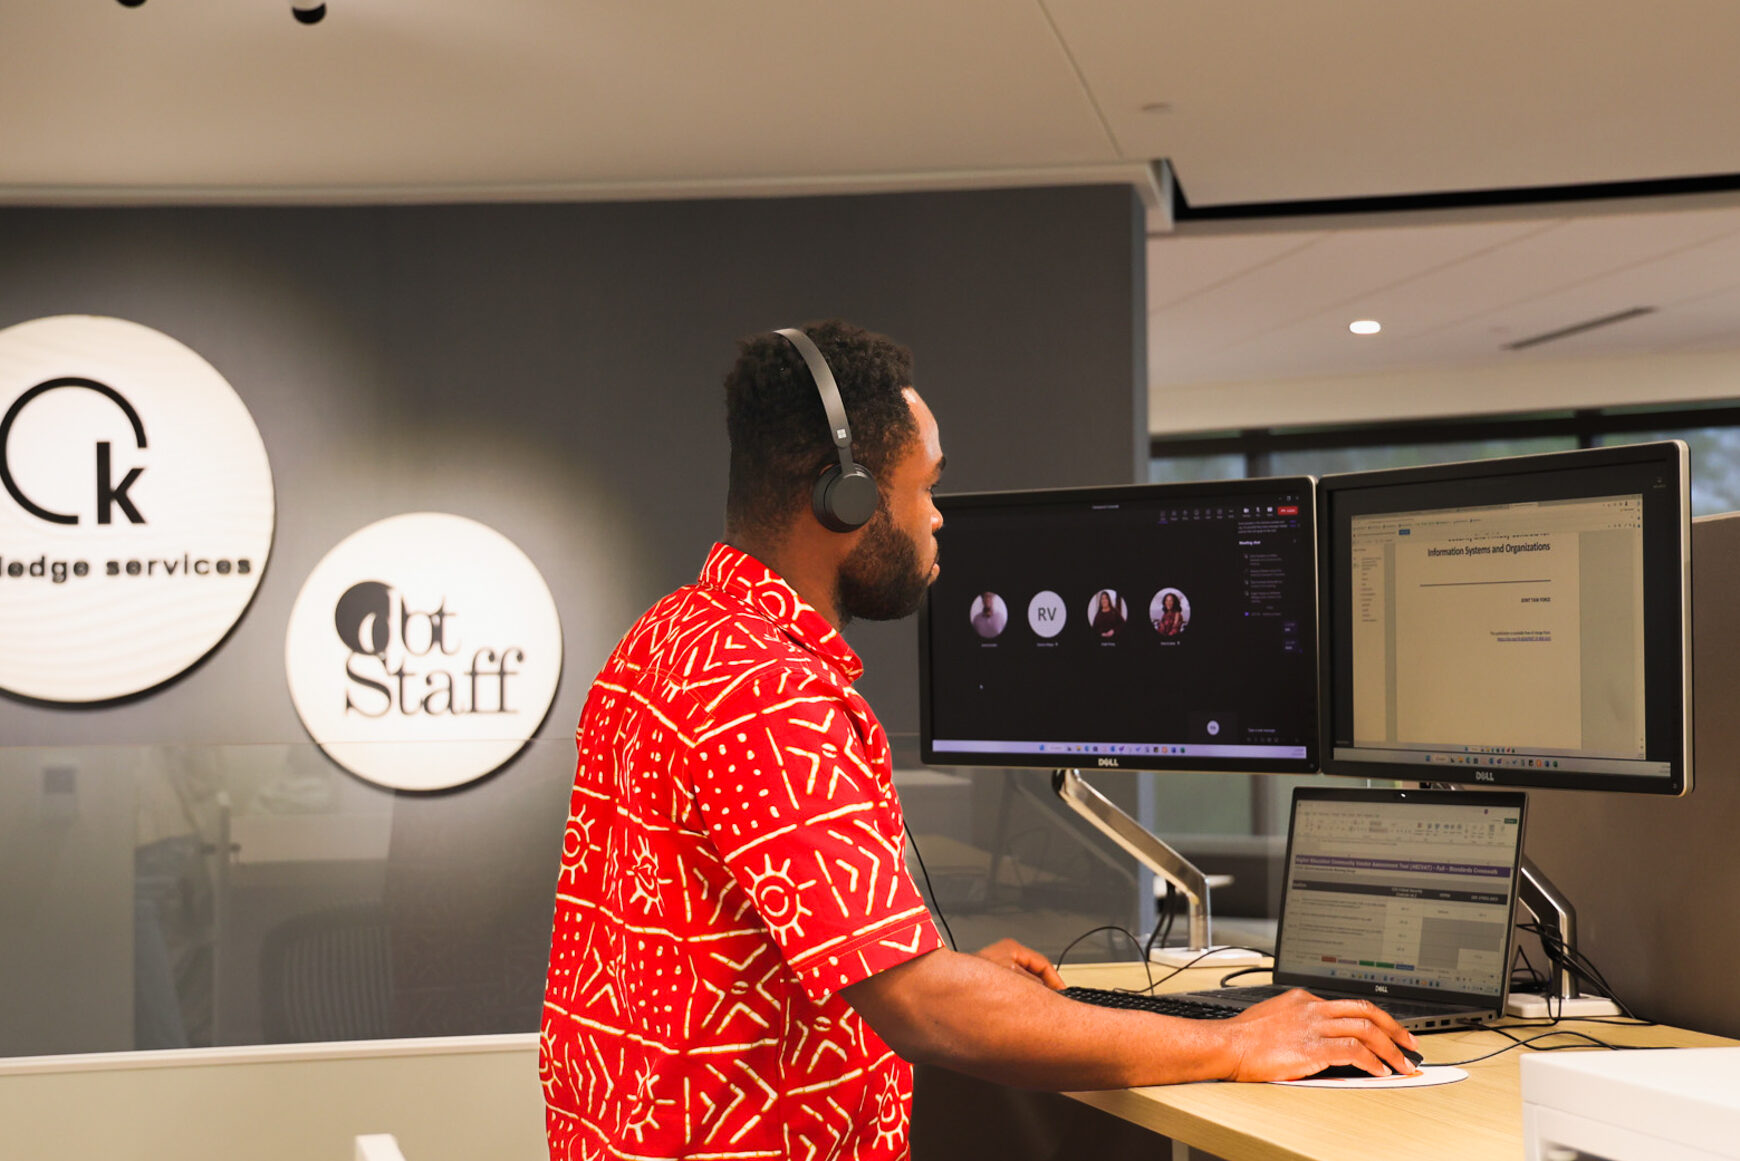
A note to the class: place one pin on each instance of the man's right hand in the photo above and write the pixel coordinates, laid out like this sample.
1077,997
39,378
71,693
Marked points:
974,1015
1296,1034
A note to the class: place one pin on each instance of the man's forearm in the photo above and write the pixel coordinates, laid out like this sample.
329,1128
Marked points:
964,1013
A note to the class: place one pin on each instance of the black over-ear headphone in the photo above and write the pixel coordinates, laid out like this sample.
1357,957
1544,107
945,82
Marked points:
845,496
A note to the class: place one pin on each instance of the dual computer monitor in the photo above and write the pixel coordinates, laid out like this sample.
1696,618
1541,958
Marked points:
1522,621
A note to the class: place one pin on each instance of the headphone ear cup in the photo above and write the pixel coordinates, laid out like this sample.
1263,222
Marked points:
845,501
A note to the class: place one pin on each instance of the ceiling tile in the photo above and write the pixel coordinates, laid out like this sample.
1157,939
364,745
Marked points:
211,92
1330,270
1452,294
1182,266
1274,100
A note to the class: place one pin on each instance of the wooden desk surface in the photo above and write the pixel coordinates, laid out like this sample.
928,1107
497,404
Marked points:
1471,1120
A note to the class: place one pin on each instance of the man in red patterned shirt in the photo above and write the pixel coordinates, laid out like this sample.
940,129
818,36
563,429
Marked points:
741,966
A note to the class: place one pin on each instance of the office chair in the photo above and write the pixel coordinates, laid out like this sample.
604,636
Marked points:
327,975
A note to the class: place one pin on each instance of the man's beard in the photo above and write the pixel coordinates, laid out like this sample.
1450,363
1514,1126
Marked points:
881,579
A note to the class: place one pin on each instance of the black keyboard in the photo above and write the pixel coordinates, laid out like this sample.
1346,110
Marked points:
1400,1009
1252,995
1145,1002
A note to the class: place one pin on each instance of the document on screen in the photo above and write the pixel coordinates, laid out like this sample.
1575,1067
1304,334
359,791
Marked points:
1488,629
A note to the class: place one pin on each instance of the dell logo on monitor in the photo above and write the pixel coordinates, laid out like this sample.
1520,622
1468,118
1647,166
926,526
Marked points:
1483,776
1108,762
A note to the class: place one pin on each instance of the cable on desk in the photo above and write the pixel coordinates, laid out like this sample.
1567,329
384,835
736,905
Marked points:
1554,1021
1574,961
1267,954
1531,1042
1206,955
1521,982
1147,965
1162,922
1244,971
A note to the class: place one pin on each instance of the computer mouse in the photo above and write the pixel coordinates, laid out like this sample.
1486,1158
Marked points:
1355,1072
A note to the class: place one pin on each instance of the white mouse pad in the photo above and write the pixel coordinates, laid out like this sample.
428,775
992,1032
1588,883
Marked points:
1428,1076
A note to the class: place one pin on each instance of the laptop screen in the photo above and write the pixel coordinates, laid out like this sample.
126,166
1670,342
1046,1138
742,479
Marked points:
1401,892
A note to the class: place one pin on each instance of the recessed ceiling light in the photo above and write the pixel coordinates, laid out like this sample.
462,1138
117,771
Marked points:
1365,326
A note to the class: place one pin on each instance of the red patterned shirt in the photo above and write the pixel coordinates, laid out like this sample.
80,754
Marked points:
733,858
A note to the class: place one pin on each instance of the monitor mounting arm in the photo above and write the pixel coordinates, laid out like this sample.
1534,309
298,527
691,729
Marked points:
1560,994
1152,852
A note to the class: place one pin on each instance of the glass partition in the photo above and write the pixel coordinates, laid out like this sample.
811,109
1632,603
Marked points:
1007,858
164,897
191,896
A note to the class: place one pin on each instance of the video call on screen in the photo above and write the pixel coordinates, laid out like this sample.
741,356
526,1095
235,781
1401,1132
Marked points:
1152,622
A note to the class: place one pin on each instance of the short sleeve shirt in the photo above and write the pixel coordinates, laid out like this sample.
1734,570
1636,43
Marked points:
734,856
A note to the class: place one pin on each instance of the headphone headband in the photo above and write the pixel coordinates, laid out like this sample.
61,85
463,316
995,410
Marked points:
845,497
838,429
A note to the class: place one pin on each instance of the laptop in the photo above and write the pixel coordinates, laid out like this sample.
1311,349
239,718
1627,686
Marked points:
1405,898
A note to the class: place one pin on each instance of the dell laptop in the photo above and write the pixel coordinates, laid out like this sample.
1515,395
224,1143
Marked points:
1401,897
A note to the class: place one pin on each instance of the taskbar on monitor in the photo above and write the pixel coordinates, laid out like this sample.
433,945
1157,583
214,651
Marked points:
1121,749
1507,761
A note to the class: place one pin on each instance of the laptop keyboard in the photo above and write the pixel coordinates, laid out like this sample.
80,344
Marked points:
1146,1002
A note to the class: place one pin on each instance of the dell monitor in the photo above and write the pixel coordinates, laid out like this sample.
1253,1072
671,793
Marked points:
1520,621
1148,627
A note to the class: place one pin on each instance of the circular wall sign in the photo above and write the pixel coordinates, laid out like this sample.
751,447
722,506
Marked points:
423,651
137,510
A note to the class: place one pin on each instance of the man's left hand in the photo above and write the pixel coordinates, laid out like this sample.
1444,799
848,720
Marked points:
1007,953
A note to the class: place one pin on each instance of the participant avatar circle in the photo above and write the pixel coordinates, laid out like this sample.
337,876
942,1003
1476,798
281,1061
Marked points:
1045,614
1107,612
1170,612
989,615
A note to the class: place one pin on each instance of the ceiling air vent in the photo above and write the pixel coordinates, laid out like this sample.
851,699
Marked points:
1605,320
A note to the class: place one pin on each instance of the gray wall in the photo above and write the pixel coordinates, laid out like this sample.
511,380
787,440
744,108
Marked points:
553,371
1656,882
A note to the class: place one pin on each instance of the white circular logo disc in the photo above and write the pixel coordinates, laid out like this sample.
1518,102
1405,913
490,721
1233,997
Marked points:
137,513
423,651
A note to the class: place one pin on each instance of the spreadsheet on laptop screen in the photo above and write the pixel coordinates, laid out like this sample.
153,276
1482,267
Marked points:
1417,894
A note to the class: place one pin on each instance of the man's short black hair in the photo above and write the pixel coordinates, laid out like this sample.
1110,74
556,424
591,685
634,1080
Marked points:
779,428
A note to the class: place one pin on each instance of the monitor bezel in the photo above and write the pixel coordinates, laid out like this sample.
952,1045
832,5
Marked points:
1668,653
1304,485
